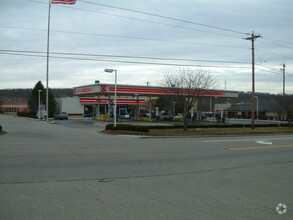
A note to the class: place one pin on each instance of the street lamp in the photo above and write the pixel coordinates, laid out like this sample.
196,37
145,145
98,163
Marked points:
115,100
39,112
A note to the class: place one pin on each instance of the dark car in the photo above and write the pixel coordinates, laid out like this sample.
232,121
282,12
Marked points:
61,115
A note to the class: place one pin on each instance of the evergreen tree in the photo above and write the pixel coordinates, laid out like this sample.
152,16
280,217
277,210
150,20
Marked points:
33,101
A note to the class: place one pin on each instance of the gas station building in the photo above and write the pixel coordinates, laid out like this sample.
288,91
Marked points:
98,99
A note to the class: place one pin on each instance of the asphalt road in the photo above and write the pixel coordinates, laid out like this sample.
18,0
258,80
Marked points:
67,170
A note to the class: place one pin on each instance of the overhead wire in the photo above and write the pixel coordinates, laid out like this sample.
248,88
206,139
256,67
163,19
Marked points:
273,70
118,61
165,17
126,56
279,41
139,19
275,54
153,22
275,43
271,80
126,37
269,40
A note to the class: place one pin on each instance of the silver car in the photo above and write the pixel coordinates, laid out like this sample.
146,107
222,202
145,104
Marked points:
61,115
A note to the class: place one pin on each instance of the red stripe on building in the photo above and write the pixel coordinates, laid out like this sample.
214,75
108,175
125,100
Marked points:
141,91
153,91
68,2
105,101
164,91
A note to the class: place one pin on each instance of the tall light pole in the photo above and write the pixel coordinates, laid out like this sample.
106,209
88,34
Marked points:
283,71
47,69
39,111
256,107
115,100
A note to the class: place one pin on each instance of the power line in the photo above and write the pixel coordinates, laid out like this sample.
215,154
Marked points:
269,71
156,15
166,17
153,22
275,43
272,41
120,61
138,19
279,41
275,54
125,37
125,56
271,68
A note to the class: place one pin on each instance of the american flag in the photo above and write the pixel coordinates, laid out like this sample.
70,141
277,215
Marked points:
69,2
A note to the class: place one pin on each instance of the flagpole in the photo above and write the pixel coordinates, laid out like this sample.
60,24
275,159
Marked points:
47,70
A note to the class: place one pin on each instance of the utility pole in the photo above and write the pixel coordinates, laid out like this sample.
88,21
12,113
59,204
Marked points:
252,38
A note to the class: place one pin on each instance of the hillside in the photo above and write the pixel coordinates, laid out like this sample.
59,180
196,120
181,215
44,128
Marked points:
18,94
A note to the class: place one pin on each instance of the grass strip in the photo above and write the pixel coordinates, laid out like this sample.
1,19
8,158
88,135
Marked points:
218,131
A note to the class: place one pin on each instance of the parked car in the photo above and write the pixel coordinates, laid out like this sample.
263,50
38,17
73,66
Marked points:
125,116
178,116
165,117
61,115
88,115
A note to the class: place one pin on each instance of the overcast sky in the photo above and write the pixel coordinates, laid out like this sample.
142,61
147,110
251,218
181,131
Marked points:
212,38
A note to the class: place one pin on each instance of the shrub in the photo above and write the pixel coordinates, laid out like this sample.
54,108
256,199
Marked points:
143,119
130,127
103,117
127,127
26,114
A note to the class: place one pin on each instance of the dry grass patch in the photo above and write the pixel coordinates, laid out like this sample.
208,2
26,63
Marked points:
2,133
123,132
219,131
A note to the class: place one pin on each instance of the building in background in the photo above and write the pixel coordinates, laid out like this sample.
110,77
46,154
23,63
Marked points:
265,109
13,106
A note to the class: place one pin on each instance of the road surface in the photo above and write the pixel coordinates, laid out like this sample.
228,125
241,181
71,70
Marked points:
68,170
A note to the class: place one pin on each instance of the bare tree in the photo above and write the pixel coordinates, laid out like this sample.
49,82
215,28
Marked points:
188,85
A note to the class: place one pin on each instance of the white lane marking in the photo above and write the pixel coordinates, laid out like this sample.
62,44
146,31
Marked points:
264,142
235,140
259,147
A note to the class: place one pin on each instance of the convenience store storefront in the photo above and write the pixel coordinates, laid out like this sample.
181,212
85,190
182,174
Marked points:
131,99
